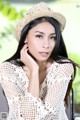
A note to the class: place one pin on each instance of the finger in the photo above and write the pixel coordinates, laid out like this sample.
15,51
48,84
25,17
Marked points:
25,48
24,52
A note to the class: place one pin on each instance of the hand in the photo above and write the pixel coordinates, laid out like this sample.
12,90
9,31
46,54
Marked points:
27,59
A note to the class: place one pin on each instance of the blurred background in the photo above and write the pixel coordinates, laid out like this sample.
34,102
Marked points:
11,11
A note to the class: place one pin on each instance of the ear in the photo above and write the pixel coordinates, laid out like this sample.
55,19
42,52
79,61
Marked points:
25,41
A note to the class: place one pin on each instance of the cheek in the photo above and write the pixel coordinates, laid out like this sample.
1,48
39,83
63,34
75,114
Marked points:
53,45
30,44
31,47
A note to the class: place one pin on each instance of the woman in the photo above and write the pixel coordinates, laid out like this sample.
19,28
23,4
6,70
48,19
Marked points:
37,79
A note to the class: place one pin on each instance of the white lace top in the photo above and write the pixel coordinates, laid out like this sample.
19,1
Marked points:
24,106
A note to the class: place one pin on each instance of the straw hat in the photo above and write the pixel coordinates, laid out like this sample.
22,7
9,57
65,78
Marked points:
39,10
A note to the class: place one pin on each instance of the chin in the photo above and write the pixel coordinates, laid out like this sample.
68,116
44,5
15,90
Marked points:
41,60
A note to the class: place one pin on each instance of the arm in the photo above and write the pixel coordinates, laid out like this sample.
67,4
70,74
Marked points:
32,66
33,87
60,83
27,105
54,98
55,92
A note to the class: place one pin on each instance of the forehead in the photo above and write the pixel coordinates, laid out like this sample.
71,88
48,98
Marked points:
43,26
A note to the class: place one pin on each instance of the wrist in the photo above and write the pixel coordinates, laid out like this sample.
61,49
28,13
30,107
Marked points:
34,72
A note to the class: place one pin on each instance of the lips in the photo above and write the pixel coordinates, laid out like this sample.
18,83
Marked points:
44,54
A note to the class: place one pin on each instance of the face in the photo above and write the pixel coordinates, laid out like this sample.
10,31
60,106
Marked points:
41,41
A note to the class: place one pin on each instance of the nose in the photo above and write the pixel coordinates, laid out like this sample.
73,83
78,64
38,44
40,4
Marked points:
46,44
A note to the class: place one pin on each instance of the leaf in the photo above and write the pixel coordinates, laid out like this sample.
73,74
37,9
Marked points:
12,14
6,9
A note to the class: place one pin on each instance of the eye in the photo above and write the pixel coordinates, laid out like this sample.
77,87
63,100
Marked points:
53,37
39,36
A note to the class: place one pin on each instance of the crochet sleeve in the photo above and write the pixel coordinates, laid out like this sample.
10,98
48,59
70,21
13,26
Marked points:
26,106
37,109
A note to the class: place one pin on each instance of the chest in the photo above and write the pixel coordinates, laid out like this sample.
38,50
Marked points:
45,78
42,75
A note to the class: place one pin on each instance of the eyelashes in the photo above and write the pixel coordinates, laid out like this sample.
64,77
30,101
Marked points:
39,36
52,37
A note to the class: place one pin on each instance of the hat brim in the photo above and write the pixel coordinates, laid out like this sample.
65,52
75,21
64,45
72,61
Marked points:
32,15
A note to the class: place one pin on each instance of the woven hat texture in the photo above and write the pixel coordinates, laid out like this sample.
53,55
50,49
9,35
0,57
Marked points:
39,10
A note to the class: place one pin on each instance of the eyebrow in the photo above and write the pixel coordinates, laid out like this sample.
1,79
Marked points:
43,33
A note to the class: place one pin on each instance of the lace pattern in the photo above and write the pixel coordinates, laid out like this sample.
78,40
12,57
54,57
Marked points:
23,105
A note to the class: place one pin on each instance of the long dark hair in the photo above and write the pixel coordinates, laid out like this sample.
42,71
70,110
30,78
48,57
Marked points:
59,51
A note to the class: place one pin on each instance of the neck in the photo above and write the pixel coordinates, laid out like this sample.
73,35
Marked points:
44,65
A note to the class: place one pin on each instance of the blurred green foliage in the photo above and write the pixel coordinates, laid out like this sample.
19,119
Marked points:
10,12
76,83
12,16
76,87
